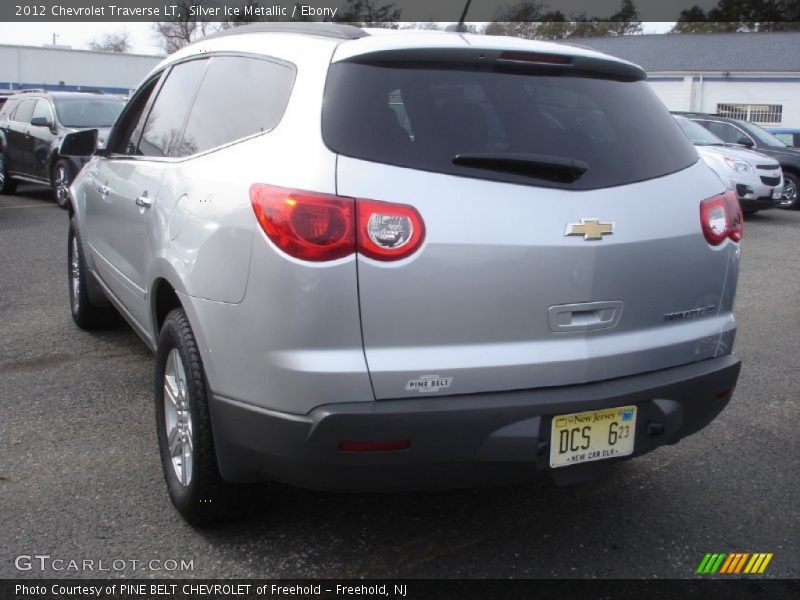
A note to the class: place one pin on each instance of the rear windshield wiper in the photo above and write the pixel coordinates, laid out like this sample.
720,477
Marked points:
541,166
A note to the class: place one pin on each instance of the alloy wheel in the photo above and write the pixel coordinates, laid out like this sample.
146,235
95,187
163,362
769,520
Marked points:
61,184
75,273
178,419
789,197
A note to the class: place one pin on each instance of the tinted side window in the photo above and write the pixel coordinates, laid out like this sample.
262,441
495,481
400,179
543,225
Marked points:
42,109
728,133
164,127
128,128
221,115
24,111
8,109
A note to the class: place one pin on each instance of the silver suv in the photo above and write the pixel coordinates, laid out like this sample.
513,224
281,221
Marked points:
406,261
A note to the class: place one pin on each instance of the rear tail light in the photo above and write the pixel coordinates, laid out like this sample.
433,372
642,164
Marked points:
721,218
320,227
305,225
388,231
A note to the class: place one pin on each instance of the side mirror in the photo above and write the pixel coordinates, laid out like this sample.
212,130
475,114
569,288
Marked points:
80,143
745,141
40,122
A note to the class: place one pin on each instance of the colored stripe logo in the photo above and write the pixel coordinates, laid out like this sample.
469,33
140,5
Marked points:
734,563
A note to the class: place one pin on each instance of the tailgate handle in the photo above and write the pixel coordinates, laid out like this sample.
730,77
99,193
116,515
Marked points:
584,316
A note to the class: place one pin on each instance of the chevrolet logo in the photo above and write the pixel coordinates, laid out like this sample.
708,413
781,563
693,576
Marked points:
590,229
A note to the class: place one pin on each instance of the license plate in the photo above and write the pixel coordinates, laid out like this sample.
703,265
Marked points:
594,435
777,193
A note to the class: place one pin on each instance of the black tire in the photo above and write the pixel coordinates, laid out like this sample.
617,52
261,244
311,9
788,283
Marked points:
791,182
85,314
205,498
7,185
61,178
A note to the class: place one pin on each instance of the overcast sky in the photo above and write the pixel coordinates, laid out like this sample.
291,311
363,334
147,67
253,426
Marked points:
78,35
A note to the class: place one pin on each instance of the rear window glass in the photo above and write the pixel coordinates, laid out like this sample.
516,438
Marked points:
421,118
88,112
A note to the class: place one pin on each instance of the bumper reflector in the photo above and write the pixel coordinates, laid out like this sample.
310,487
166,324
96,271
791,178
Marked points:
374,445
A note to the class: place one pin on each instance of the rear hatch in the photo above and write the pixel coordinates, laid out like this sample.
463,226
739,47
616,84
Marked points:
561,210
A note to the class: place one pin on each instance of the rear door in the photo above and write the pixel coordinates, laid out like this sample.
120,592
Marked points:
41,138
127,185
566,266
18,152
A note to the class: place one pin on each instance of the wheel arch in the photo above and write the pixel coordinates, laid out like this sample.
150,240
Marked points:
164,298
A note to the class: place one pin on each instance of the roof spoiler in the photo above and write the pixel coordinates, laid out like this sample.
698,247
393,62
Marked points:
508,59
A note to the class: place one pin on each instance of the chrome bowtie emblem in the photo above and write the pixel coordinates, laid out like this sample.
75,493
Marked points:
590,229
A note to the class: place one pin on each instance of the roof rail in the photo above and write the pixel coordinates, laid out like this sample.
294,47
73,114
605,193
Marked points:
31,91
329,30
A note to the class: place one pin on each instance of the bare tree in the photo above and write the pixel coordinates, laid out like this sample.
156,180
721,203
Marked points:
186,28
112,42
367,13
741,16
531,19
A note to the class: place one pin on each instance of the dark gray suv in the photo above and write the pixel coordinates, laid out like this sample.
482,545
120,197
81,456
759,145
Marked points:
32,125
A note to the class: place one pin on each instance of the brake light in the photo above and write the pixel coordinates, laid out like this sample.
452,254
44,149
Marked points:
552,59
388,231
721,218
320,227
306,225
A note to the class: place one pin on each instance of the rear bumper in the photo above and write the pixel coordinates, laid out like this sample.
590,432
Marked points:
459,441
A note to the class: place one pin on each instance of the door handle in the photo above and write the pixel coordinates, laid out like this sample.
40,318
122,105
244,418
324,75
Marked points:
103,189
144,201
585,316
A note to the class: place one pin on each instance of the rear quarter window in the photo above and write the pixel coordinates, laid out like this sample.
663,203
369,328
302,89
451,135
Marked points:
24,111
239,97
421,117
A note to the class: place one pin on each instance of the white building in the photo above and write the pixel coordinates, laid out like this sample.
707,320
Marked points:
72,70
754,76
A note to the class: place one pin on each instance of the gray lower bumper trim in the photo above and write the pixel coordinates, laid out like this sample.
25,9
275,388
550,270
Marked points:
458,441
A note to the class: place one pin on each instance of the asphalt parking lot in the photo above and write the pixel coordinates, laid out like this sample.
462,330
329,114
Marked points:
80,477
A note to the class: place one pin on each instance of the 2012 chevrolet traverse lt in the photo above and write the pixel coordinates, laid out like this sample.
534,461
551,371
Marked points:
406,261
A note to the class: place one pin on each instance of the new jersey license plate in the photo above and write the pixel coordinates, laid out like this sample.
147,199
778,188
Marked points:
594,435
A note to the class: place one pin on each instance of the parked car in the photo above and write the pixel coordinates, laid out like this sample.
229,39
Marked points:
756,179
749,135
528,286
32,125
788,135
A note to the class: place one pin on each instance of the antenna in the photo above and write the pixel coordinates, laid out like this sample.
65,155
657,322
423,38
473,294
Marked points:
461,27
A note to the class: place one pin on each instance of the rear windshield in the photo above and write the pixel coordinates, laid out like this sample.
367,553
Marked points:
423,118
80,112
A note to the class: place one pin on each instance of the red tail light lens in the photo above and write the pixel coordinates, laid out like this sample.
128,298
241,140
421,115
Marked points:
306,225
374,445
320,227
736,222
721,218
388,231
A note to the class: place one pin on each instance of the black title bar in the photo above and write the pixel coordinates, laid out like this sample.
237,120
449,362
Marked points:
376,11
